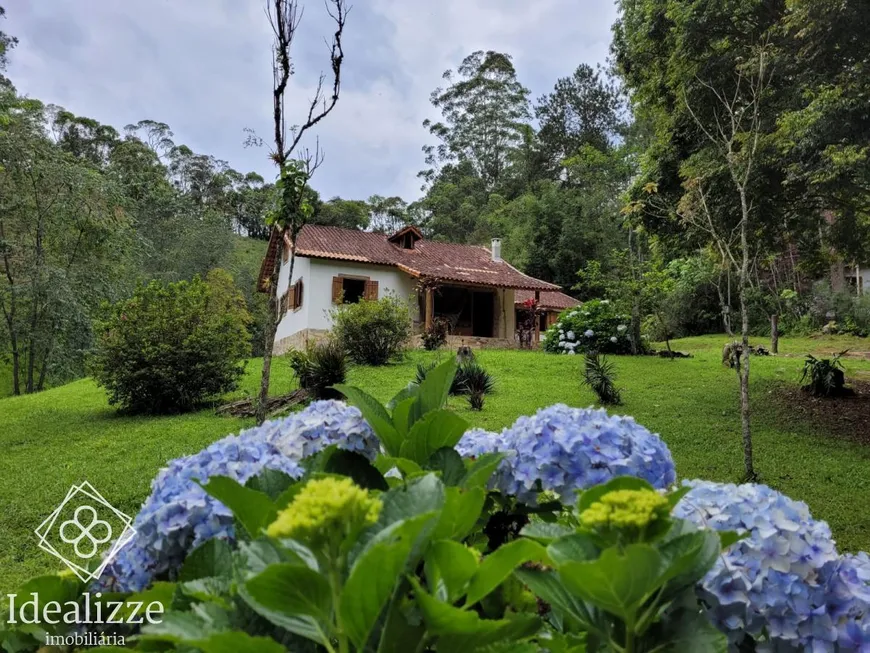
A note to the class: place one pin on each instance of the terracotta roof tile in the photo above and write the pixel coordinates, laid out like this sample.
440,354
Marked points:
552,300
429,259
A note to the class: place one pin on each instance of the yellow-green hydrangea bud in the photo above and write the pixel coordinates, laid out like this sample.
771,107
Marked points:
625,509
326,510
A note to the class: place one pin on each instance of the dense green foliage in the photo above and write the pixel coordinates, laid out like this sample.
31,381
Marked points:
172,346
372,332
824,377
320,367
596,325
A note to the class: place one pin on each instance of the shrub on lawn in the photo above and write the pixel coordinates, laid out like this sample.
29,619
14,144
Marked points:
372,332
598,374
319,367
436,335
171,347
594,326
824,377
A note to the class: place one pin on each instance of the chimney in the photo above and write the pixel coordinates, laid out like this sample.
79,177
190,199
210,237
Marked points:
496,249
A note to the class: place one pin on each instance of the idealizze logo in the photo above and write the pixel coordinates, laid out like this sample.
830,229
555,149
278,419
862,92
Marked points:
85,531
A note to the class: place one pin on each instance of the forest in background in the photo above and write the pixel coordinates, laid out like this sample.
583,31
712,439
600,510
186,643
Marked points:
613,184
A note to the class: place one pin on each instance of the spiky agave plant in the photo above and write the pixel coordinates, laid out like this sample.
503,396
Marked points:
472,379
598,374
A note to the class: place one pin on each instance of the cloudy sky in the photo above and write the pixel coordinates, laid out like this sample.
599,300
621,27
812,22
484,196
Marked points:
203,67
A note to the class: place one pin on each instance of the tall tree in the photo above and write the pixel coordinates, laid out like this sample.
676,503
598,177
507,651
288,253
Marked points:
701,76
7,42
349,214
62,232
293,204
583,109
484,110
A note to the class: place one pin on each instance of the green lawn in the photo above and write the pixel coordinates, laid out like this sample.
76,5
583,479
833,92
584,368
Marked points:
69,434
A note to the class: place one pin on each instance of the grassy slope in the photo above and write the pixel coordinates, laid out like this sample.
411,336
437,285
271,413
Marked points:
68,434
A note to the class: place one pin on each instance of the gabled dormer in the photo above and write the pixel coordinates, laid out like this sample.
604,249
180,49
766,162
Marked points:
406,238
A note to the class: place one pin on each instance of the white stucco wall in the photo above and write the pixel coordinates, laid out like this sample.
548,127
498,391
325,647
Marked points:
316,275
864,273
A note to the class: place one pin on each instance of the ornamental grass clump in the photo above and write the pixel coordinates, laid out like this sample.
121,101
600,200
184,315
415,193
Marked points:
783,586
562,450
179,515
599,375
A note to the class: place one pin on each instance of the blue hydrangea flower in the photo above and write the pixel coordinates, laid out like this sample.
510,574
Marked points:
784,584
321,425
179,516
562,449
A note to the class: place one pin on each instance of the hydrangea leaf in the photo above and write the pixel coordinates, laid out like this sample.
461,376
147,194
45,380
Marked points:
481,470
616,582
238,642
688,557
294,590
500,564
436,429
545,532
447,461
376,415
405,413
253,509
302,625
576,547
271,482
459,630
461,511
547,586
435,388
407,467
357,467
375,574
453,563
212,558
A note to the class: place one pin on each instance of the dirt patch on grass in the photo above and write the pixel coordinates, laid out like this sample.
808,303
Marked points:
841,417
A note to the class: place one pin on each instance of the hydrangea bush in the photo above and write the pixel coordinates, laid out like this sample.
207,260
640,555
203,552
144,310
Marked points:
595,325
783,587
179,515
562,449
784,584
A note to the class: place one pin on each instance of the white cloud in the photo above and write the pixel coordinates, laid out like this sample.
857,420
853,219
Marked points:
203,67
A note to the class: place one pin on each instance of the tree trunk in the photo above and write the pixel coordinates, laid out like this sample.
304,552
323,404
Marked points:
774,333
635,326
269,334
749,470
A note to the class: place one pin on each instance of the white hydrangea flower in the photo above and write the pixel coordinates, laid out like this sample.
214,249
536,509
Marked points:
613,339
589,333
571,352
605,301
570,335
621,328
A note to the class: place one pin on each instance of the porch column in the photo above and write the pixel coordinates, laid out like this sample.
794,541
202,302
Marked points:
537,318
430,308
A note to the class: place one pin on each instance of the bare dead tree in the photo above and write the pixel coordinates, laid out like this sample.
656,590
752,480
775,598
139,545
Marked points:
284,17
735,131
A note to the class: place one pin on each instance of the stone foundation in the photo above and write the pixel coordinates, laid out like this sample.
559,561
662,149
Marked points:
306,337
299,340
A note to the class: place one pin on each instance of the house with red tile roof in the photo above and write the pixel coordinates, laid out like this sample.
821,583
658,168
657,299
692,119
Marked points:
471,287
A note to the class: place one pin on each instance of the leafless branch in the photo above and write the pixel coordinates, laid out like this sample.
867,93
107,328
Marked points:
284,17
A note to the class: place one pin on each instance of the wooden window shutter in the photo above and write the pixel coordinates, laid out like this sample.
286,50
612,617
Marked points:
371,292
299,293
286,255
291,298
337,290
